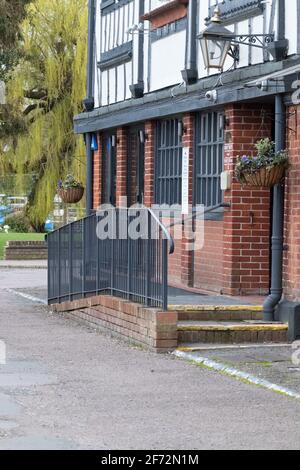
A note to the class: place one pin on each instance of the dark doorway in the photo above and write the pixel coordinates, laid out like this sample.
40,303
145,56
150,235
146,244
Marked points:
136,165
109,169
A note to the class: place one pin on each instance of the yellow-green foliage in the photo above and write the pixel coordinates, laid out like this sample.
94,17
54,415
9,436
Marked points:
54,67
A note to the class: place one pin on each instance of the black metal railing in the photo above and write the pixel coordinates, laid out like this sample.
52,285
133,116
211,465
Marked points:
84,261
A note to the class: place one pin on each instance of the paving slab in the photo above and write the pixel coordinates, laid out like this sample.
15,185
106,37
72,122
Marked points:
185,297
275,364
23,264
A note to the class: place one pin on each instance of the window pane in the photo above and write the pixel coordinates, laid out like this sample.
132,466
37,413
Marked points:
168,163
209,158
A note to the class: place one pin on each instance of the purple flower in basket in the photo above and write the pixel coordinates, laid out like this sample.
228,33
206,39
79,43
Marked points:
245,159
60,183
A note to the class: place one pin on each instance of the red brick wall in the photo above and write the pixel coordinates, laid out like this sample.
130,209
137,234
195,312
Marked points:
208,262
201,268
166,14
175,262
235,256
149,327
133,148
187,256
121,163
291,264
149,162
247,224
97,178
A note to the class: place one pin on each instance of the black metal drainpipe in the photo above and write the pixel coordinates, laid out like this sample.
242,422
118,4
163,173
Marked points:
278,220
190,74
191,63
90,98
275,296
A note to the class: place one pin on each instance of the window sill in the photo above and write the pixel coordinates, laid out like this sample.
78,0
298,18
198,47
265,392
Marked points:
217,215
167,13
118,55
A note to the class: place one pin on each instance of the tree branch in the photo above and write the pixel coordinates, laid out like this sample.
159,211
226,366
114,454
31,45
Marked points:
35,94
30,108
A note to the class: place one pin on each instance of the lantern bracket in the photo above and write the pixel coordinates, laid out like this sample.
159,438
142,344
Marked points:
217,42
262,41
234,53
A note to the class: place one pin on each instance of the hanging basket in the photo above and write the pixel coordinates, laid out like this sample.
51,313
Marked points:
71,195
264,177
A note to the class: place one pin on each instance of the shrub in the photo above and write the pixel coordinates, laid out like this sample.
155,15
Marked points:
18,222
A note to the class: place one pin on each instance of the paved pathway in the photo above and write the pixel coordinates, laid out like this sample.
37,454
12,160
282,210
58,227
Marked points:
66,386
24,264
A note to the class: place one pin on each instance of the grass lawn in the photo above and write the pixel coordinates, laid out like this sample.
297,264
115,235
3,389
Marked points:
4,237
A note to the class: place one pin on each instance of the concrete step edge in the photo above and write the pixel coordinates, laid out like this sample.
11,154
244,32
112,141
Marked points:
241,327
216,308
215,346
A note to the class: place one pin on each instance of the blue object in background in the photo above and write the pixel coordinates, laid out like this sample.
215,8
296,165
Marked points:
94,143
4,211
49,225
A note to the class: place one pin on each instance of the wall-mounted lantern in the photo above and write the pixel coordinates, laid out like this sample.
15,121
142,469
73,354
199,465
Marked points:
143,137
217,42
94,143
113,141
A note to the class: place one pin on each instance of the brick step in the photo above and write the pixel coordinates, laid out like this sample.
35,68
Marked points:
25,250
231,332
217,313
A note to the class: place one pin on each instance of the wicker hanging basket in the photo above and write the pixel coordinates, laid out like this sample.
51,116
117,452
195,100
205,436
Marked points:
265,177
71,195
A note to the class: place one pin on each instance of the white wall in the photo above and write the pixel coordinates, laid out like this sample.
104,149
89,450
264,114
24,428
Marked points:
292,25
97,75
167,61
164,58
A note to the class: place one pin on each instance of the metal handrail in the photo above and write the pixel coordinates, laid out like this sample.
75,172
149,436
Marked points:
167,234
80,263
165,230
193,215
68,224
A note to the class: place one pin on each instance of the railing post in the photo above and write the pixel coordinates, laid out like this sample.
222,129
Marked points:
48,267
165,273
129,263
70,262
97,255
112,247
83,258
148,255
59,274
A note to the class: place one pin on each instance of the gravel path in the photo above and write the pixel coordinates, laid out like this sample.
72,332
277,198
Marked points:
66,386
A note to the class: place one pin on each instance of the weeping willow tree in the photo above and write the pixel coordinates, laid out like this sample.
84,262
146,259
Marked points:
44,92
12,12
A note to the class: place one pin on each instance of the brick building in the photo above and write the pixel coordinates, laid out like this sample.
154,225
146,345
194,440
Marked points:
151,99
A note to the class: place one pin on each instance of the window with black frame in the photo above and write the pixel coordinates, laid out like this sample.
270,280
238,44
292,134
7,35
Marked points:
168,162
209,158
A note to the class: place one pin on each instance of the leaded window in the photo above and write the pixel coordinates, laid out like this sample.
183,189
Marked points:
168,162
209,158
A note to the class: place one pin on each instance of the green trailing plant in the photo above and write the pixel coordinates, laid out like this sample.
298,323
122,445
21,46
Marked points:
69,183
266,157
44,92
